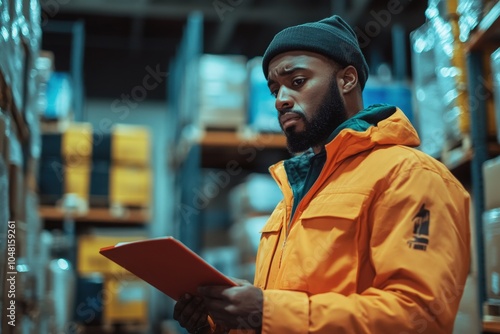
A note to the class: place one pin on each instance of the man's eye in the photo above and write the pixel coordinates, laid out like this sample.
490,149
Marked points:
274,93
298,81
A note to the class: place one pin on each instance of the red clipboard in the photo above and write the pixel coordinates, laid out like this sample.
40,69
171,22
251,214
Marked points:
167,264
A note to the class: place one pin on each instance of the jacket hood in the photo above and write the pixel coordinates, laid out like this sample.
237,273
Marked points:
379,124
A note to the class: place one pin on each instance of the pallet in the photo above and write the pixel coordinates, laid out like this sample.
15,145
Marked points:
491,316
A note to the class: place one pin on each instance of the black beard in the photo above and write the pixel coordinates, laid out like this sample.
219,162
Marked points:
329,115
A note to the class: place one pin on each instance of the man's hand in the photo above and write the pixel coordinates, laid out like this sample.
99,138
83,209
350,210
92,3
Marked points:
238,307
191,314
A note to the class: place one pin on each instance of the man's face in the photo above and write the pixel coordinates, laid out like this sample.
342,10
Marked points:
308,100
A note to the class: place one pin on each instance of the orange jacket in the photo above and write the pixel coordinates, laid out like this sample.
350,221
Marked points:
379,244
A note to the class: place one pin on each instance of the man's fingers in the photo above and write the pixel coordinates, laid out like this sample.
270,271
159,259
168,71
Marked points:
191,309
180,305
190,312
213,292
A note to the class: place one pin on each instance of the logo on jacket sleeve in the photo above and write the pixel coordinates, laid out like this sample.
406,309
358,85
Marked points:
420,229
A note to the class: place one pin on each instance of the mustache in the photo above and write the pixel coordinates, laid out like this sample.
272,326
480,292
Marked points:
289,111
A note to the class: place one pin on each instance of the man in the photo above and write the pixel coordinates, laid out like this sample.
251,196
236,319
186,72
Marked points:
372,235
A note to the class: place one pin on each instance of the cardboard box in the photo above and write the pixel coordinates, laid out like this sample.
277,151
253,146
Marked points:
262,113
130,186
77,143
90,261
51,145
222,91
51,180
131,145
126,301
428,101
100,183
491,181
491,230
77,180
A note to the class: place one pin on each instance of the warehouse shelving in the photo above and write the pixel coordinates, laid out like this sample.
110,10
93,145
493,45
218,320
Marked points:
195,149
231,139
245,148
483,39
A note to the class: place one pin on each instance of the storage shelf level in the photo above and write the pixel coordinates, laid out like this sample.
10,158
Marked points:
491,326
251,151
232,139
98,215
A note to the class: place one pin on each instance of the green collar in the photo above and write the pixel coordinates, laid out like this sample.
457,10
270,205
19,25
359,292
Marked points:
304,169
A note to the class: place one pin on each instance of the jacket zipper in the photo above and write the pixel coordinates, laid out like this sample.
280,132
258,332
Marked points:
288,227
290,223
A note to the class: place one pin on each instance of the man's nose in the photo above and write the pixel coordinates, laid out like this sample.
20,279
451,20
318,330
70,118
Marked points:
283,99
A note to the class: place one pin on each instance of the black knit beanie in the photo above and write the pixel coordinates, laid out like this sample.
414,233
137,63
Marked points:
331,37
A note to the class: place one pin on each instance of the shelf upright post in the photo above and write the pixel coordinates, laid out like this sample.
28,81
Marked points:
477,100
184,95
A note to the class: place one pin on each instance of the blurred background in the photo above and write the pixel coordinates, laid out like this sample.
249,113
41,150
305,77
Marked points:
133,119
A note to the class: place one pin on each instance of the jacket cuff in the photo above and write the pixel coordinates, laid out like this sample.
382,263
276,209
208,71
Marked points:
285,312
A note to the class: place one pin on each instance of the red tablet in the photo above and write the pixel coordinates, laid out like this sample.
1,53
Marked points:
167,264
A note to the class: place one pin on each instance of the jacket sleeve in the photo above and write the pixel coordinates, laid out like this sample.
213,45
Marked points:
420,253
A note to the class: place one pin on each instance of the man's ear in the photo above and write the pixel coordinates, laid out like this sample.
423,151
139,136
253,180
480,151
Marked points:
348,79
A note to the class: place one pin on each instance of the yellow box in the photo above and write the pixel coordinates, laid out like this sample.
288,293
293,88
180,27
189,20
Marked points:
91,261
77,179
131,145
125,301
130,186
77,143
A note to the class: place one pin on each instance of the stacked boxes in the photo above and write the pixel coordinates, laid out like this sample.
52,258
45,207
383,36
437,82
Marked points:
491,227
131,179
429,108
101,168
470,14
262,114
222,91
124,297
440,75
126,301
491,176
